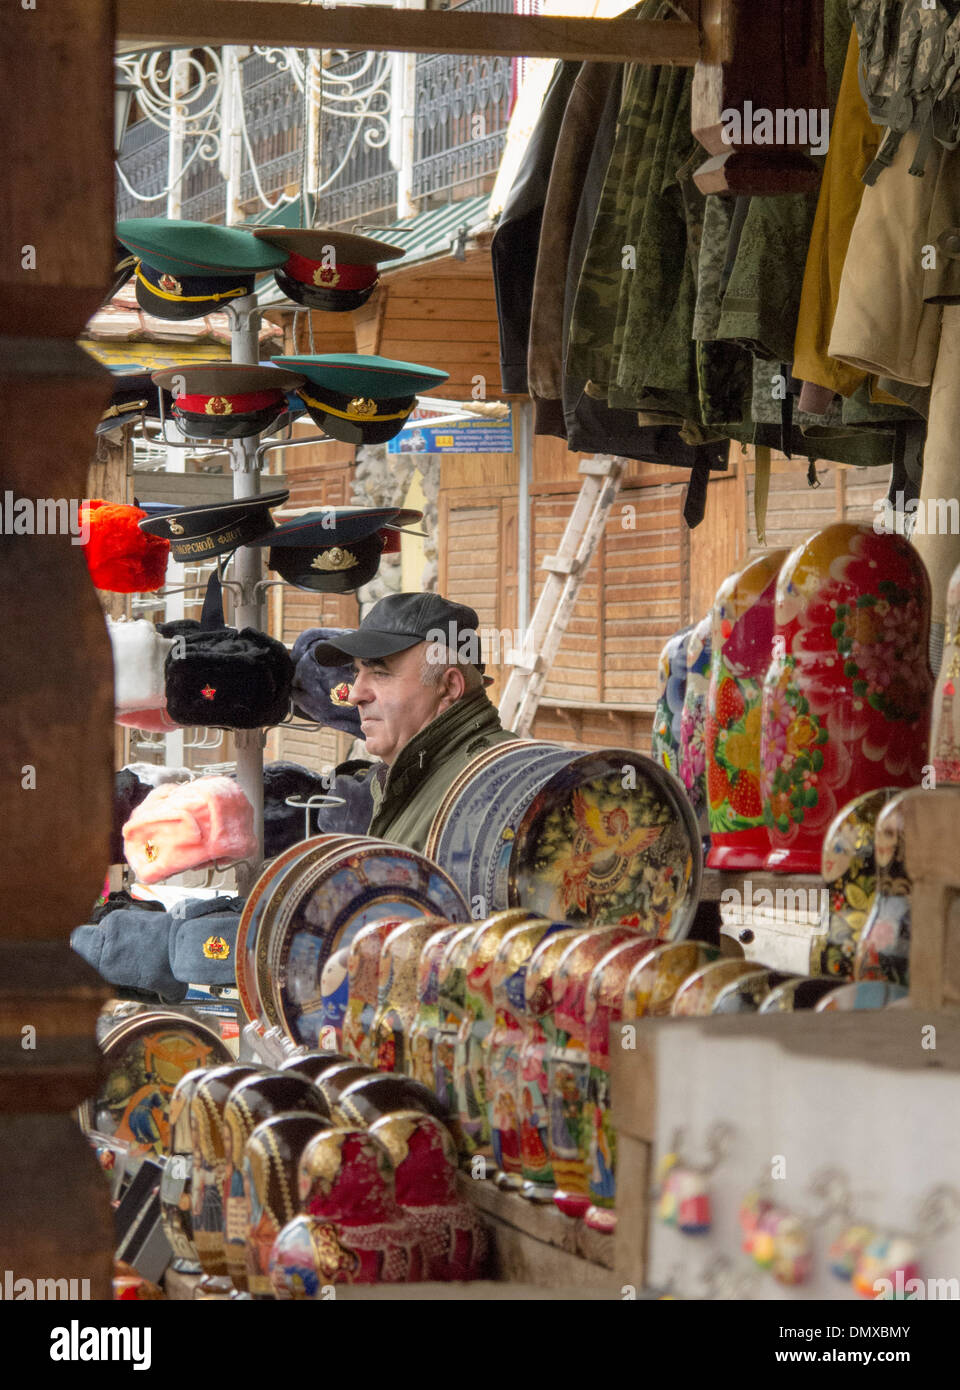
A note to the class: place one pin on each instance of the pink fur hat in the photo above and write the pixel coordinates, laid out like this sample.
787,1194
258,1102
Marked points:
186,825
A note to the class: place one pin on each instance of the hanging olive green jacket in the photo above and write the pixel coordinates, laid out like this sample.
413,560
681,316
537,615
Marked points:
406,795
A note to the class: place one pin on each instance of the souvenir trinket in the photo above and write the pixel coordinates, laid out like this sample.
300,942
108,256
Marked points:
698,993
452,1235
145,1056
776,1240
693,725
176,1177
351,1230
894,1259
363,972
568,1065
271,1159
210,1165
253,1099
397,991
532,1088
846,1251
469,1077
603,1005
848,868
654,981
334,993
741,642
426,1020
847,697
451,992
883,949
501,1047
945,732
610,838
683,1197
672,682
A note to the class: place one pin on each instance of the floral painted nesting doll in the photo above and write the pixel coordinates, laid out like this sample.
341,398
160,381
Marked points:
270,1163
603,1007
363,978
253,1099
452,1235
175,1182
654,980
397,990
945,733
426,1020
697,995
351,1230
847,698
469,1078
741,645
532,1095
210,1163
883,950
848,868
568,1065
501,1047
672,683
451,993
334,995
692,759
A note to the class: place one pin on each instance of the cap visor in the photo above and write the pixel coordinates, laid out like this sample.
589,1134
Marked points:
366,645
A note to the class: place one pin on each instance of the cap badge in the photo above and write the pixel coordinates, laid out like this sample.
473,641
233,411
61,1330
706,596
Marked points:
218,405
171,284
333,559
326,275
215,948
175,527
340,694
150,850
361,405
208,692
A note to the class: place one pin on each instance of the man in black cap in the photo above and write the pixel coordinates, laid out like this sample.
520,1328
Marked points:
419,688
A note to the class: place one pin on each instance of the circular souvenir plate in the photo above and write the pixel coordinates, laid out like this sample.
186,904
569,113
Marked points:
453,791
865,994
611,838
327,903
697,995
145,1058
654,981
490,863
798,994
744,996
251,963
458,848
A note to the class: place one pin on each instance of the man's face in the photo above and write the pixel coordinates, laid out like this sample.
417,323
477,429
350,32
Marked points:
394,705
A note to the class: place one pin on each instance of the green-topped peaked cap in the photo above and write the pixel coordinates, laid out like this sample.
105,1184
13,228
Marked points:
188,269
361,399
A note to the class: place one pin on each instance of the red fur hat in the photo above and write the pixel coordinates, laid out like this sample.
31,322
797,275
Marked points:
121,558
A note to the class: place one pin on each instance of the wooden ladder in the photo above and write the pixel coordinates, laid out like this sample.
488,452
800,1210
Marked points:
602,475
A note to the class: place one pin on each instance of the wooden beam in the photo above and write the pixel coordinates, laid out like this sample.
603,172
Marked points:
202,23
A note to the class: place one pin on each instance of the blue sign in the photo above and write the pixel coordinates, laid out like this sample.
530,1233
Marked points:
433,436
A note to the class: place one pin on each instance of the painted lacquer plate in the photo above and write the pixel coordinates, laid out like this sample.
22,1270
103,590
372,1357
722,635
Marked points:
864,994
744,996
324,907
697,995
653,982
144,1059
807,992
611,838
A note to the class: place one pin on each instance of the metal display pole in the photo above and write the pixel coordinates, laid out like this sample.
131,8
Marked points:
248,571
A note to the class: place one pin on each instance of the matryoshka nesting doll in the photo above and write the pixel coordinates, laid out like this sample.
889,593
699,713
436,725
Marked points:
270,1163
672,683
469,1078
654,980
253,1099
365,1101
532,1096
603,1007
210,1163
452,1235
847,698
363,978
848,868
397,990
501,1048
335,1080
175,1181
741,647
313,1065
426,1020
351,1230
451,992
568,1065
692,755
945,732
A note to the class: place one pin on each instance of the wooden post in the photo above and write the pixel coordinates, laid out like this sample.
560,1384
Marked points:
56,693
